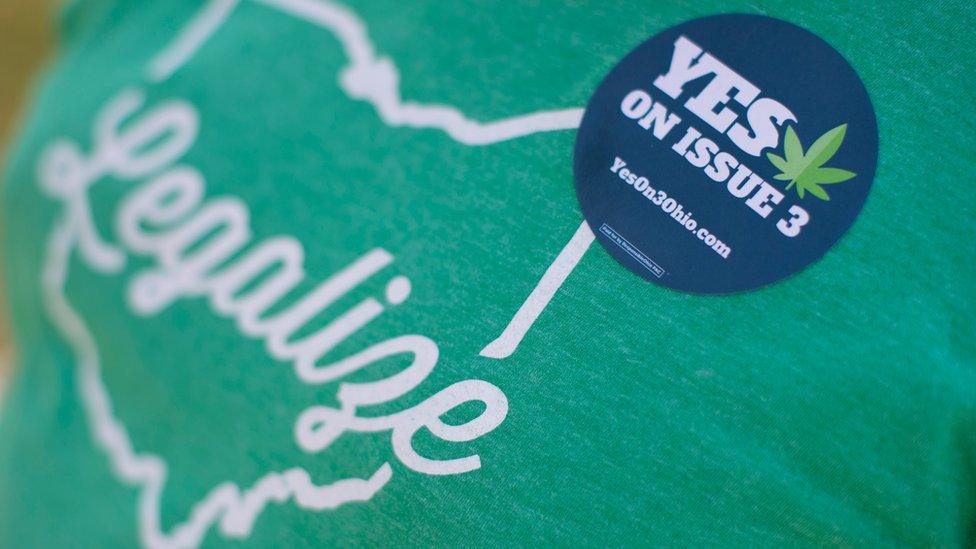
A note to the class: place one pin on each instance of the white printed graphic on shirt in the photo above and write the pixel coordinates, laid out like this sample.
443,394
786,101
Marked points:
193,238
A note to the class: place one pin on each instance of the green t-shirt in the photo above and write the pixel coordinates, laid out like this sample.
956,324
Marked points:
289,272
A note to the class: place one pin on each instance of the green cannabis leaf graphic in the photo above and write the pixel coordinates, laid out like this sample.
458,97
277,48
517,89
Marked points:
806,170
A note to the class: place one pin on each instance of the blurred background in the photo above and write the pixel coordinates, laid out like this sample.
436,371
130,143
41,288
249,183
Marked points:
25,44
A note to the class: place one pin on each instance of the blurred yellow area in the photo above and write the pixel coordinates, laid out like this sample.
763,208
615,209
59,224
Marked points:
25,42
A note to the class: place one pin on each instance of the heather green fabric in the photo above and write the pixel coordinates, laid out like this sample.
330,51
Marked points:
837,407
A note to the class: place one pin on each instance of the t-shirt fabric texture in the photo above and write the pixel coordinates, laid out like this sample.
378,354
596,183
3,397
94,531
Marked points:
263,260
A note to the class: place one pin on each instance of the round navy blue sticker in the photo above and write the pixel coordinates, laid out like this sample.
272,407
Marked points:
725,154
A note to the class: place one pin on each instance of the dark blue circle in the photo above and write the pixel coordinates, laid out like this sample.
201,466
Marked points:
789,65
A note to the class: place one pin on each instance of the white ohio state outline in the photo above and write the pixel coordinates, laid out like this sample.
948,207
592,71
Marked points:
368,78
